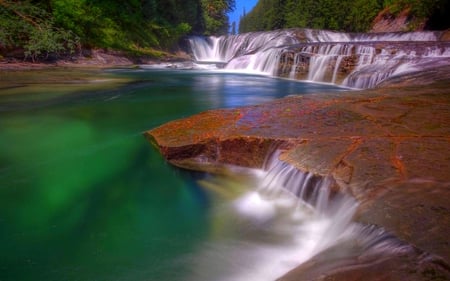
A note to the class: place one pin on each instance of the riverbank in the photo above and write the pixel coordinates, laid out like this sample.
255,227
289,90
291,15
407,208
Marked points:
387,147
96,58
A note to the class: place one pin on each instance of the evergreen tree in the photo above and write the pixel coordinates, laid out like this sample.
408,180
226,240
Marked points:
215,15
48,27
343,15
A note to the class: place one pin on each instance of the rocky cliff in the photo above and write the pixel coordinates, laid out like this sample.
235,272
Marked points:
403,21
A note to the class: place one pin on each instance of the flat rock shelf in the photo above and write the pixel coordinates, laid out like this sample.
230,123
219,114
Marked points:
386,147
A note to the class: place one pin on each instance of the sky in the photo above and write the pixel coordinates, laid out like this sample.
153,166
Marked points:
240,5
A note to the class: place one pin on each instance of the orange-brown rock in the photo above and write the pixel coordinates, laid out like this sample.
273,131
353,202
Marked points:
386,21
388,147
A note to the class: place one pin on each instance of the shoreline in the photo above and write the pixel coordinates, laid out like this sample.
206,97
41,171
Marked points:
97,59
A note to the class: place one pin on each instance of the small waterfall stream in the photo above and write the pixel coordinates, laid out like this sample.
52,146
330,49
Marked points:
295,216
351,60
291,217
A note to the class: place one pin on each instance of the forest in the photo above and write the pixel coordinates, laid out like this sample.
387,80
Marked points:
343,15
37,29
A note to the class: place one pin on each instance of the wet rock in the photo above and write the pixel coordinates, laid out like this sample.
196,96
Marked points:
388,147
340,264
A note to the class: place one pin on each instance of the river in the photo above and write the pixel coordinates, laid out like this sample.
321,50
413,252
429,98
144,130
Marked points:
84,196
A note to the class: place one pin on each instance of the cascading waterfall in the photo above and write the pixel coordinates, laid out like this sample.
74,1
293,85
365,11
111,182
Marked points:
369,58
294,216
373,68
251,52
297,60
265,62
322,58
226,48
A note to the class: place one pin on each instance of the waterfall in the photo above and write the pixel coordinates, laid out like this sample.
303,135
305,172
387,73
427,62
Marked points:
321,218
294,216
348,59
327,36
282,180
226,48
297,60
321,59
264,62
374,68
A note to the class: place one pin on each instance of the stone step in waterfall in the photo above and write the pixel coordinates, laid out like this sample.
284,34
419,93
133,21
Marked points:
351,60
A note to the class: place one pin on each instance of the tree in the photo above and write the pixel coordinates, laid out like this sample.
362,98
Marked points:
31,27
233,28
215,15
343,15
361,14
43,27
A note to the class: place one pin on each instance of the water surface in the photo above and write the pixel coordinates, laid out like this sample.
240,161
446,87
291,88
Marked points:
83,196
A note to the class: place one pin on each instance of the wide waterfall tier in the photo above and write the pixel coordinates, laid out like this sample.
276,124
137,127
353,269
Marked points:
226,48
348,59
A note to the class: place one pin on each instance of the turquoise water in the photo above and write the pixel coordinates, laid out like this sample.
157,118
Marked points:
83,196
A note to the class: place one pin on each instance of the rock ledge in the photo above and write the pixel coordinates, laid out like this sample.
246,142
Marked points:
388,147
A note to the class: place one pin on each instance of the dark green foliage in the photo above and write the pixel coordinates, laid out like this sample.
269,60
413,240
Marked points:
360,15
56,26
420,10
342,15
439,18
125,25
30,27
215,15
266,15
347,15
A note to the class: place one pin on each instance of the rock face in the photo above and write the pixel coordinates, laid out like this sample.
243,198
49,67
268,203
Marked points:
388,147
388,22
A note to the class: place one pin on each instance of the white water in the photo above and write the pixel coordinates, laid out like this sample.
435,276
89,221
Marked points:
321,59
288,218
256,52
262,52
225,48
